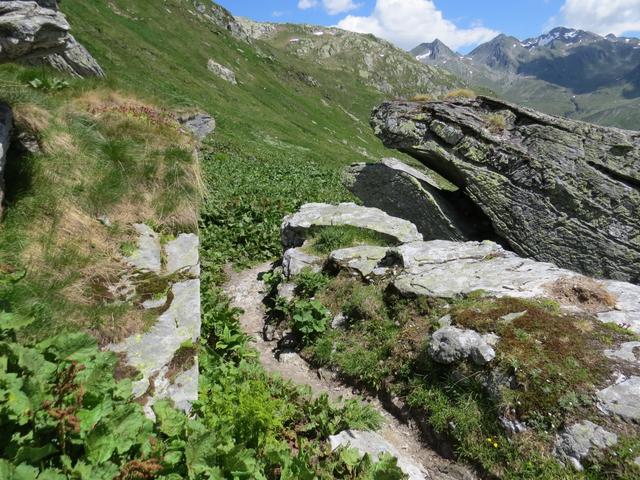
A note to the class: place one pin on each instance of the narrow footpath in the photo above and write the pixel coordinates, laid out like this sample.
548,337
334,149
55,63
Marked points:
247,292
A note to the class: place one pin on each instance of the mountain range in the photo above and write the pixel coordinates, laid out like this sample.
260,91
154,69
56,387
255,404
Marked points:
568,72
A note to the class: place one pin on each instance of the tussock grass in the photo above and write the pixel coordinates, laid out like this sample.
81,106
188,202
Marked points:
422,97
496,122
460,93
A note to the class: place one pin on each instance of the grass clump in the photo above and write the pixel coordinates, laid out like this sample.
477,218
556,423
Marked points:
324,240
460,93
308,282
422,97
496,122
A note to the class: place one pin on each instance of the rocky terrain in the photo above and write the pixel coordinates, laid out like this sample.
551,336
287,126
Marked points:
567,72
554,189
472,338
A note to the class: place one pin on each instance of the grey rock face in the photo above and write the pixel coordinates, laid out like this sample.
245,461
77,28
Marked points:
296,226
626,352
373,444
30,30
222,18
581,439
622,399
450,345
295,260
183,254
364,260
76,60
152,353
36,32
148,256
404,192
200,125
6,127
447,269
222,71
557,190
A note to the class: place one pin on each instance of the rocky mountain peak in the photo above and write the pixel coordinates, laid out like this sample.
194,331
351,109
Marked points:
435,50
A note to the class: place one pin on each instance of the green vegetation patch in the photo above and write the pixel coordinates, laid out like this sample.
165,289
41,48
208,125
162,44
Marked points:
547,367
324,240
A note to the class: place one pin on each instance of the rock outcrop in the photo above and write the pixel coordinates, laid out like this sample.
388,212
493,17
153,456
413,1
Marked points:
200,125
38,33
581,439
405,192
295,227
6,126
556,190
221,71
166,355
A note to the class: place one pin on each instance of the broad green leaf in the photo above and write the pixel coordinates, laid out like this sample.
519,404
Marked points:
170,420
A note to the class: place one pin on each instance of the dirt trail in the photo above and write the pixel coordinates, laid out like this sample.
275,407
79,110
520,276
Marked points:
246,291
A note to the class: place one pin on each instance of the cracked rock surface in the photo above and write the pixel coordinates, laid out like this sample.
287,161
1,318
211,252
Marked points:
556,190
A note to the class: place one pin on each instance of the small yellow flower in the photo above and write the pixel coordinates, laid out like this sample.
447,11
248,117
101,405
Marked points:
495,445
489,439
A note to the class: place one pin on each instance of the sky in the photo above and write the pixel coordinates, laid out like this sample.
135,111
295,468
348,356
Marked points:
461,24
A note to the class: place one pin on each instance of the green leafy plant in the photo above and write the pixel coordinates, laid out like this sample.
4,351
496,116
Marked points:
309,319
308,282
47,84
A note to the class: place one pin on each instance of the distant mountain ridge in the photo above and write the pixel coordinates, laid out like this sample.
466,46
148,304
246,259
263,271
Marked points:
566,71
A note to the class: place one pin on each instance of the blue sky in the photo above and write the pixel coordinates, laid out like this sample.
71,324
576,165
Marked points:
462,24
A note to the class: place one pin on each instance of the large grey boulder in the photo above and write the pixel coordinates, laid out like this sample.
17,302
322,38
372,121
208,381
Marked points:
580,440
557,190
296,226
36,33
451,345
6,126
405,192
375,445
445,269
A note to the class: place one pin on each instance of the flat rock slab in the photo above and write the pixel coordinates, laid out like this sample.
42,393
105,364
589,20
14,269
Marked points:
622,399
373,444
295,227
152,352
222,71
446,269
148,256
183,254
626,352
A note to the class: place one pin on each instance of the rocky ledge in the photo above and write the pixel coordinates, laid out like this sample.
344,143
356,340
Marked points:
553,189
36,32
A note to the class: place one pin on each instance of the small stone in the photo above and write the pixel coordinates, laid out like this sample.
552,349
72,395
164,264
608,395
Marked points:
104,220
451,344
445,321
512,316
148,255
287,290
339,321
363,260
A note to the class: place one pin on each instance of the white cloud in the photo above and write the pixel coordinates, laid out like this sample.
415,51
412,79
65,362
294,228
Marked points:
333,7
599,16
408,23
306,4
